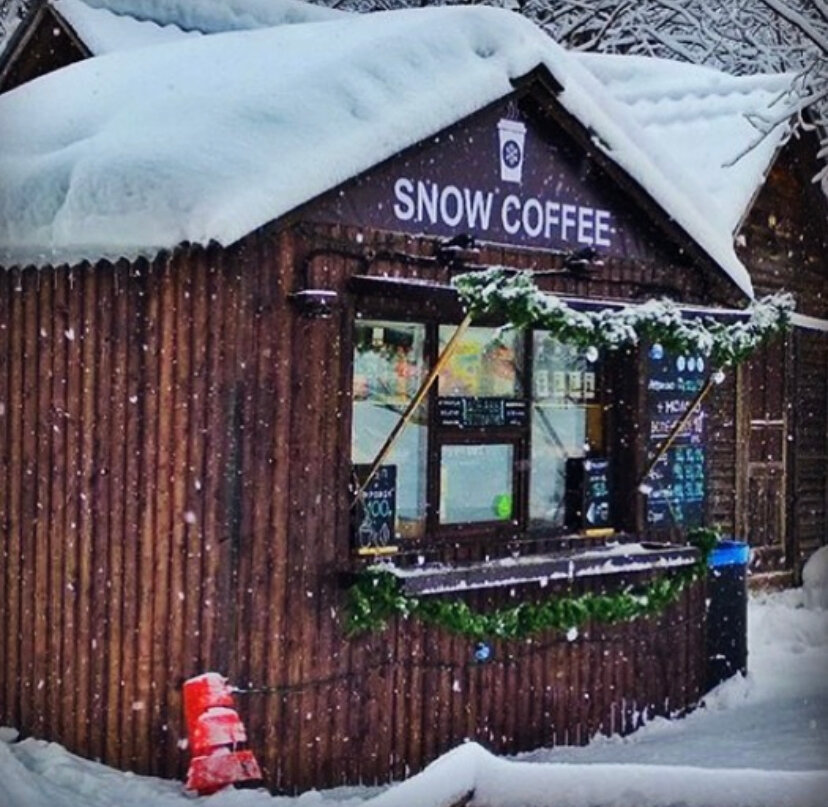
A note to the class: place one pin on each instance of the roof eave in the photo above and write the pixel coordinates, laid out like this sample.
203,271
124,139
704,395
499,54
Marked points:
545,87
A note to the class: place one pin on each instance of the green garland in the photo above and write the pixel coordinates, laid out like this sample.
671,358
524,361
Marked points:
514,297
377,596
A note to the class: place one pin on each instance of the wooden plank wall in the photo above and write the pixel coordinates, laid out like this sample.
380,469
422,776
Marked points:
810,502
785,244
136,413
175,444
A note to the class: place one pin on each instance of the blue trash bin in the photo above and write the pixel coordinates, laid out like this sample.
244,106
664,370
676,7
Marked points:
727,611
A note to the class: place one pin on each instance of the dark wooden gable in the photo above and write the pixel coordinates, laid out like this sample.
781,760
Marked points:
43,42
784,236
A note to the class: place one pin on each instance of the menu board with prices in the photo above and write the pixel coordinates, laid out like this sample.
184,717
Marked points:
467,413
376,511
588,489
676,484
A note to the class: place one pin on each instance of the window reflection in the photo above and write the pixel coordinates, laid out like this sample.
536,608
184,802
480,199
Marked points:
484,363
389,365
566,422
476,483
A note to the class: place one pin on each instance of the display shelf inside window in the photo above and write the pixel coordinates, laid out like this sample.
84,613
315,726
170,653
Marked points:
481,385
567,422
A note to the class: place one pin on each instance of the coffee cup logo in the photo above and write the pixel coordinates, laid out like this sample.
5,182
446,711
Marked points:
512,138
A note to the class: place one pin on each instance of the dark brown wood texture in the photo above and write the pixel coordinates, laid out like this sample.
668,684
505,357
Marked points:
809,499
763,456
139,436
785,243
43,43
173,495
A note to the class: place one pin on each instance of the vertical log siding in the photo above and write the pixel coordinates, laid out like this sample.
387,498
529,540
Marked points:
174,447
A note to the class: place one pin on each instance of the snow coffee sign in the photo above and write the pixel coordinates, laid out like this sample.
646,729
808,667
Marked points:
494,176
677,482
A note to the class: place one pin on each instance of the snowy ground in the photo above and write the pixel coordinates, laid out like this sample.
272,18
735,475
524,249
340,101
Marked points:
760,741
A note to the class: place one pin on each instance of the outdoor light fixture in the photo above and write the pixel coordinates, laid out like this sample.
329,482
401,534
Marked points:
581,259
452,250
314,303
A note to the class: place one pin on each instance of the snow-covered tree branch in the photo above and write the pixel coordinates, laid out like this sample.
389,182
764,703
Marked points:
11,12
740,37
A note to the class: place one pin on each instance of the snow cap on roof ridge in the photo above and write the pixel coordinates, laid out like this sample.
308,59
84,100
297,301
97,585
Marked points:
103,31
142,151
218,16
704,119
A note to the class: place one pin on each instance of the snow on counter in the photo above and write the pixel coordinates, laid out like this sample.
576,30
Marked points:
211,137
614,559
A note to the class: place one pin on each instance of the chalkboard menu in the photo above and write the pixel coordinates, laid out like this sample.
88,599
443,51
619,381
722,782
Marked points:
376,511
588,494
676,485
480,412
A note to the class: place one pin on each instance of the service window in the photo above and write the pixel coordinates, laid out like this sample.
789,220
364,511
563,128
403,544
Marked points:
488,448
476,483
480,427
485,363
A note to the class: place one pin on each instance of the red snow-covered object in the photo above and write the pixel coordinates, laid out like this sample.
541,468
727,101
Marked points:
216,736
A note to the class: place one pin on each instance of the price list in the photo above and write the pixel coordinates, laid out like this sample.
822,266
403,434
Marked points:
676,484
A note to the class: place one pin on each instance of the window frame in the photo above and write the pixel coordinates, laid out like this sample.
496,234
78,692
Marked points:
520,526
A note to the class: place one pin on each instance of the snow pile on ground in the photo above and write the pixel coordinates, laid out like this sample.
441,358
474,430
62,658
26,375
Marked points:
760,741
211,137
815,579
774,719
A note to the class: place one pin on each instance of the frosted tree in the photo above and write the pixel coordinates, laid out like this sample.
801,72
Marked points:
741,37
11,12
738,36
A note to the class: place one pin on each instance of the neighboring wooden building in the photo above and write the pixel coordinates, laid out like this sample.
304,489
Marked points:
43,42
180,431
782,413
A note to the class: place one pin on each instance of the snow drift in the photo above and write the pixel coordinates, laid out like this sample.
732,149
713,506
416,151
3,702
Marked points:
760,741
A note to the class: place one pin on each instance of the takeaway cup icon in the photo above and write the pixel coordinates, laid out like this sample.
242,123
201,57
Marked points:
512,135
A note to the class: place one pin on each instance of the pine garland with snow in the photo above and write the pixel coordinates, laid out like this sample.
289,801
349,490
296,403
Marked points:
377,596
514,297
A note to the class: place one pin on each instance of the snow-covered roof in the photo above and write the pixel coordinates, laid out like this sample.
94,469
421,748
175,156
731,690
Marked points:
209,138
102,31
701,119
108,25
